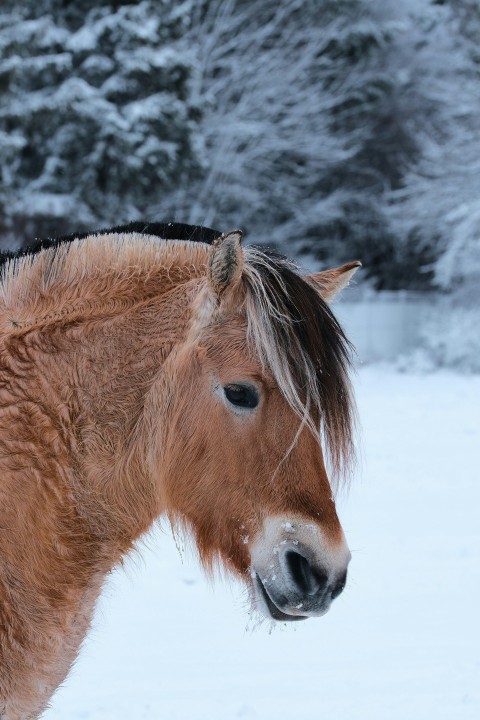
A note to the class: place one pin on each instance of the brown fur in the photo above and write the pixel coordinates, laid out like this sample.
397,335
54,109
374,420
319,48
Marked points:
111,352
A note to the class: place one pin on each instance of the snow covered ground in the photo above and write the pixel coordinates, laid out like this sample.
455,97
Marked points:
401,643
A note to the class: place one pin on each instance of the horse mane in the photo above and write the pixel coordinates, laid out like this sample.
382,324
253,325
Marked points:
290,328
164,231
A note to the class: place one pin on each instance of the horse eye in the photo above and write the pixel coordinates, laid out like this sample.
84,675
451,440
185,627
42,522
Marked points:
244,396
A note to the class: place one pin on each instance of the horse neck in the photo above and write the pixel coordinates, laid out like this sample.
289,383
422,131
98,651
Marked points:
79,355
75,371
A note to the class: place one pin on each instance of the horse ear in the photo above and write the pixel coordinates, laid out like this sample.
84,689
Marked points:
330,282
226,262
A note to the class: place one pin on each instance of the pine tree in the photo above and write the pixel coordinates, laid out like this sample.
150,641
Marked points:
96,119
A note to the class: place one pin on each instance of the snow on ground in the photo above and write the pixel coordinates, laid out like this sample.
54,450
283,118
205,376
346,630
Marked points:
401,643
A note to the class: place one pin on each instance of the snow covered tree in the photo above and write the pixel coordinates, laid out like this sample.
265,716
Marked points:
303,125
96,121
328,128
437,207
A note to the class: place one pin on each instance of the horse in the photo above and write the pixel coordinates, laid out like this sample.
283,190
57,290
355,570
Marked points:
152,371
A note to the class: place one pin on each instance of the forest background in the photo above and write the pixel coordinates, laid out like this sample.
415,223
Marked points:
328,129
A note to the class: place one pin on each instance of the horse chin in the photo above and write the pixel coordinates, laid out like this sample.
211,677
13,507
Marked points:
273,611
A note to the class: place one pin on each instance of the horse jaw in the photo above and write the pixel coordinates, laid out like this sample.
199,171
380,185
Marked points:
296,569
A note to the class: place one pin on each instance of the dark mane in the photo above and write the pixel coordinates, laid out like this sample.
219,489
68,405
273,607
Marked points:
308,350
164,231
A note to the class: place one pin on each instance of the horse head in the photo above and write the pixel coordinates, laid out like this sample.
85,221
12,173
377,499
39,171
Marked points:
254,399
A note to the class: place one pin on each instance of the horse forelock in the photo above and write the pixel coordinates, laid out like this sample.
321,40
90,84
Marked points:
295,334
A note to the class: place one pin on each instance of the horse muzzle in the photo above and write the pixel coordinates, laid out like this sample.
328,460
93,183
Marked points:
296,571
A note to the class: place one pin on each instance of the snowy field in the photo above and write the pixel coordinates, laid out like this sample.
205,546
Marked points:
401,643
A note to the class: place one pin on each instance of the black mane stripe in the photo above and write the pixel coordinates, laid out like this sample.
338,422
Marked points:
164,231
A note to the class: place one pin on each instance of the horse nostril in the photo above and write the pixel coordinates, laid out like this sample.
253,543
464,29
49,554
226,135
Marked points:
307,580
338,588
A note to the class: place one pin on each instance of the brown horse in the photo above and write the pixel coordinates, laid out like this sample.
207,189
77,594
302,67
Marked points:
152,370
